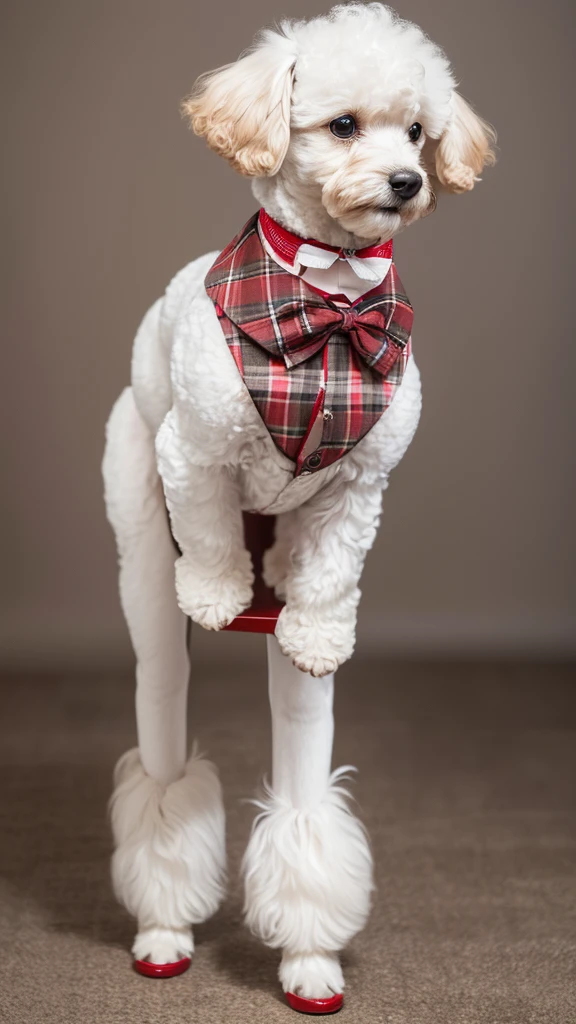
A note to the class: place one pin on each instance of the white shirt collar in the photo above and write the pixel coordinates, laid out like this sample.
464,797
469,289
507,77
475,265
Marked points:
331,273
372,269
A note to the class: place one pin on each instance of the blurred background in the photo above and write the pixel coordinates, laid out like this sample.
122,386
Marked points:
107,194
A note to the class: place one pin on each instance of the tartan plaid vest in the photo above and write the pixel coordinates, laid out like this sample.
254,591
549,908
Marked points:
319,375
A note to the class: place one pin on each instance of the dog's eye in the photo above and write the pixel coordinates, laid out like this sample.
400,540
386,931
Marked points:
415,131
343,127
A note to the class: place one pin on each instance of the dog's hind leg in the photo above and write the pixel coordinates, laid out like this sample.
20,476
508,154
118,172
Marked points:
167,812
308,868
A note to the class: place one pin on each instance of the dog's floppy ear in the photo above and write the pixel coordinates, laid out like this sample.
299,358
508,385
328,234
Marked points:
243,109
465,148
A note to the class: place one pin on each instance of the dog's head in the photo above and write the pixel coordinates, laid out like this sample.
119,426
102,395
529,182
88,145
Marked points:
353,116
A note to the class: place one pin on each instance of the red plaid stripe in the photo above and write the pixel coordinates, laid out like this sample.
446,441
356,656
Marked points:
291,344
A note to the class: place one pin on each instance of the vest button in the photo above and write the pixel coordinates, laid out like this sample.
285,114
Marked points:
314,460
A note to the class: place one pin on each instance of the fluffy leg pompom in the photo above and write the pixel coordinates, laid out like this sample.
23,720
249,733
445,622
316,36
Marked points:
168,868
308,882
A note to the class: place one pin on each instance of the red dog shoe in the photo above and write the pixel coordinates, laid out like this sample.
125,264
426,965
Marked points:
331,1005
162,970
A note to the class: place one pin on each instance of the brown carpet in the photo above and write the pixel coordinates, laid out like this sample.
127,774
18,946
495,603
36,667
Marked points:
468,786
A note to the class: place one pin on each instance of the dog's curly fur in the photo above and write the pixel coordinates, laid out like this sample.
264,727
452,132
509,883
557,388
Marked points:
189,422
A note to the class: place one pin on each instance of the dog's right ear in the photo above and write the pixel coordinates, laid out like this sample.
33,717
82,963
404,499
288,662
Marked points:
243,109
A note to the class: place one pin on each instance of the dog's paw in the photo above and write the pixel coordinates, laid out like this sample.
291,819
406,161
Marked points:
317,644
311,975
213,602
275,569
163,945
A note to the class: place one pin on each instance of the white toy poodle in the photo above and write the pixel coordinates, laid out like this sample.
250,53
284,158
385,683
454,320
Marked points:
276,376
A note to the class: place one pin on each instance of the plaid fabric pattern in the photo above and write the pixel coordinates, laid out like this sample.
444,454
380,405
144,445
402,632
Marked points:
312,368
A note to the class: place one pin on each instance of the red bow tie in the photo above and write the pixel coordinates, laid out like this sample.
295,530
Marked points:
305,327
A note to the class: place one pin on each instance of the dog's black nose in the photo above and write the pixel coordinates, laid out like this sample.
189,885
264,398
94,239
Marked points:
406,184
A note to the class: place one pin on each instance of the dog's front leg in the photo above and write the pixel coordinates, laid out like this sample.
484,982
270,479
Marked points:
214,574
332,533
307,868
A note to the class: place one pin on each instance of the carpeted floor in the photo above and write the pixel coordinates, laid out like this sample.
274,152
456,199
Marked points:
468,786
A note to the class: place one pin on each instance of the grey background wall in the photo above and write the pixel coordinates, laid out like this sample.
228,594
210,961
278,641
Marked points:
107,194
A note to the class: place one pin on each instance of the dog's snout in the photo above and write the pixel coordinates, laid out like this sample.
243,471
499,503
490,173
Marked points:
405,184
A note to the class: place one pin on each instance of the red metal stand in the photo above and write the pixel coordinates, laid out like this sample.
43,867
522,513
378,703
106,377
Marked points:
263,613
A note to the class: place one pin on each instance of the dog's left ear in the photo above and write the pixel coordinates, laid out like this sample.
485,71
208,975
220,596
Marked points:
465,148
243,109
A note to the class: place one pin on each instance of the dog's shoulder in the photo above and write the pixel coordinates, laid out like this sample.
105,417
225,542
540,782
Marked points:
154,342
207,390
185,287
